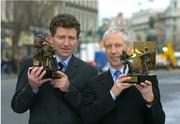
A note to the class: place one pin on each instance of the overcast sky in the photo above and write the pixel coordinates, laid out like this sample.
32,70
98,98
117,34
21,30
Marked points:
110,8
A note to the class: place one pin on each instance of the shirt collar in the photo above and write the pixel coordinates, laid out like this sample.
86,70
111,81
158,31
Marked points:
112,70
66,61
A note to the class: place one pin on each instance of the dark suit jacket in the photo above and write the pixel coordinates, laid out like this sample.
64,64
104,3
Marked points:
128,108
48,105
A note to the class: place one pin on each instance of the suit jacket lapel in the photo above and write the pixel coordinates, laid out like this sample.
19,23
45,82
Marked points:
72,67
107,80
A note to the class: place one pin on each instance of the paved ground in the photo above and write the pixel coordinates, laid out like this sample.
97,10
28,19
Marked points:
169,83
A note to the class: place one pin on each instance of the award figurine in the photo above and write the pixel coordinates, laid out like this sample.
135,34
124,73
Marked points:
143,61
44,55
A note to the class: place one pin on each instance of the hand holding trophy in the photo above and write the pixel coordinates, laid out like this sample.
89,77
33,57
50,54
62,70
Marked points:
44,55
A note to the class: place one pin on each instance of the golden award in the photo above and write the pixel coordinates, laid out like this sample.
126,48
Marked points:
141,61
44,55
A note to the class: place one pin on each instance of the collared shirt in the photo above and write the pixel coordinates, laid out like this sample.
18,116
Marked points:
123,70
66,61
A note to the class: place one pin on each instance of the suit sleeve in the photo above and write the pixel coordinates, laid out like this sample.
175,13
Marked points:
23,96
155,114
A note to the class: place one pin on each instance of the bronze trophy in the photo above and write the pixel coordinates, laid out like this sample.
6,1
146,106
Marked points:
44,55
141,61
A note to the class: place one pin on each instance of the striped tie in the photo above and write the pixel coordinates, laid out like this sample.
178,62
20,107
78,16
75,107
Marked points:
62,65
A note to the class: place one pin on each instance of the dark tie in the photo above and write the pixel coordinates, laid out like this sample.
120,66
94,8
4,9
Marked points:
62,65
117,73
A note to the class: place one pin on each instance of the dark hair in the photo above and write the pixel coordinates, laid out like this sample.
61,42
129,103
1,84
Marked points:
65,21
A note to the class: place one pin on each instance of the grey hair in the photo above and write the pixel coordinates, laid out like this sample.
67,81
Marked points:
126,35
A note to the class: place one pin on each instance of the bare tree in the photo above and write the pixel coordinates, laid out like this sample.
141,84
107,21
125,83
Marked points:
27,14
21,16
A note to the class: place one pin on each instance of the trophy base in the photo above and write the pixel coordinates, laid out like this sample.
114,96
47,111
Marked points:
138,78
52,74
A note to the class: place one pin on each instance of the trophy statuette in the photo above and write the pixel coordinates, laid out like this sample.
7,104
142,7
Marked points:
143,61
44,55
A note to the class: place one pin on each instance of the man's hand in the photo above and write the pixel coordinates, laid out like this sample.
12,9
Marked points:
146,91
120,84
35,75
62,83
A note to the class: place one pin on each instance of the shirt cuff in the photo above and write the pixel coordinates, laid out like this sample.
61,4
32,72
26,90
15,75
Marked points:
35,91
113,97
149,106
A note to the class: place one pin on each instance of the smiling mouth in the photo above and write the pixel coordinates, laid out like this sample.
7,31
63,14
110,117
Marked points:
115,57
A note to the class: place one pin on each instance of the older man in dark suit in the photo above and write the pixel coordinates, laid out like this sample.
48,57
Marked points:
110,99
45,97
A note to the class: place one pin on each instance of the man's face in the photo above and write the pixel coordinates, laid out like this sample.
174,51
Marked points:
114,44
65,41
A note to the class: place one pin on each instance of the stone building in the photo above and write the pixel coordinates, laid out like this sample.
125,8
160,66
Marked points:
20,19
166,25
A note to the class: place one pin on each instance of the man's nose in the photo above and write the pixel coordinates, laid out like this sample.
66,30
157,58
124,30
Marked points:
113,49
66,41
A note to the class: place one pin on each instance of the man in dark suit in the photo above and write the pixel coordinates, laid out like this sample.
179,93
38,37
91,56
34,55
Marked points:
110,99
44,97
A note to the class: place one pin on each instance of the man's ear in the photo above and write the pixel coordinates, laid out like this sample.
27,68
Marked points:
78,40
49,37
102,44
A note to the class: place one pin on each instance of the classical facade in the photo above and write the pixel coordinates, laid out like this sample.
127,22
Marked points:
21,19
166,25
85,11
